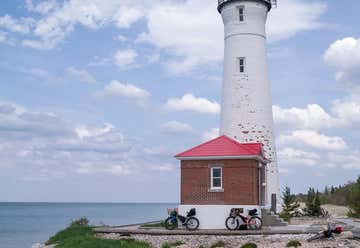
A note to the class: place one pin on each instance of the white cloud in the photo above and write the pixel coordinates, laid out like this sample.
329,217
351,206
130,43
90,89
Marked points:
347,110
348,160
125,58
294,16
292,156
313,117
126,16
57,20
344,55
5,39
43,7
163,167
53,147
313,139
81,75
211,134
121,38
176,128
191,103
21,25
188,30
130,91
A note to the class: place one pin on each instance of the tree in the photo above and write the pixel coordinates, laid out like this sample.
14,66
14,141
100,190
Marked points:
313,203
290,204
354,199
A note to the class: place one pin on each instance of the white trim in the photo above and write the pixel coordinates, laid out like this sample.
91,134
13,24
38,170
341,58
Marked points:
261,159
212,188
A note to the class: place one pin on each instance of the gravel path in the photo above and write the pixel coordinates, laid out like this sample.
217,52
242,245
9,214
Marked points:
269,241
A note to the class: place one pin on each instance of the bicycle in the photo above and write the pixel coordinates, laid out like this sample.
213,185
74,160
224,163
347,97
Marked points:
189,221
237,221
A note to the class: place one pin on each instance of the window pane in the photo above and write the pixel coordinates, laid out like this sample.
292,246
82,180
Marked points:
241,68
216,182
241,18
216,172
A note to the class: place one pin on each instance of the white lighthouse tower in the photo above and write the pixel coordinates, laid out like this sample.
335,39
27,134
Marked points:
246,113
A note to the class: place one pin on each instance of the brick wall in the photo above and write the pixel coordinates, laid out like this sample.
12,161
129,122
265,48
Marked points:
240,182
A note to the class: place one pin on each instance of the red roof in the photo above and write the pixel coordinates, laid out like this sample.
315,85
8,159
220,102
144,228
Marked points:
223,146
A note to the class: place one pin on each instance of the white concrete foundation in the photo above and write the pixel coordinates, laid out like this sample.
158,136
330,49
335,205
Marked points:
214,216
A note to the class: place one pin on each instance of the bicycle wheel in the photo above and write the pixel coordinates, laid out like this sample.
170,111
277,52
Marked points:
255,223
192,224
232,223
171,224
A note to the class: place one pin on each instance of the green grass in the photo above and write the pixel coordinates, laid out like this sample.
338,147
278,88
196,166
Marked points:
80,235
150,225
293,243
218,244
249,245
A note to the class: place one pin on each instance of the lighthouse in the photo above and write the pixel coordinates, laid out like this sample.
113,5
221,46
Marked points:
246,113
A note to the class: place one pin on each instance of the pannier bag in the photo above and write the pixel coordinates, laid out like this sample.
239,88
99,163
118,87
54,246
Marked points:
253,212
192,212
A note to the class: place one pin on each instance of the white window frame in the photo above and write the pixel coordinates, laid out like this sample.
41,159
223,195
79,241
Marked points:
212,177
241,66
241,13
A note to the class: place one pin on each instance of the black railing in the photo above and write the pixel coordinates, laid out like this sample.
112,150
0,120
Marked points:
272,2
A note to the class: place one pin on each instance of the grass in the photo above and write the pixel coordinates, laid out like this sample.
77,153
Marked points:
249,245
152,225
293,243
80,235
218,244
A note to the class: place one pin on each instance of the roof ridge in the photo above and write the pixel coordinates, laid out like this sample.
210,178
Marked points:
202,144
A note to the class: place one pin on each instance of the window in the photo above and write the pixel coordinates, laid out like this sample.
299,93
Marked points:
241,65
216,178
241,13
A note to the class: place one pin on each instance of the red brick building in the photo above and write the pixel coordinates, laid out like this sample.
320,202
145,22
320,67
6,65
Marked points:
220,174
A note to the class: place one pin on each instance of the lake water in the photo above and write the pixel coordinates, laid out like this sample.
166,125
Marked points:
23,224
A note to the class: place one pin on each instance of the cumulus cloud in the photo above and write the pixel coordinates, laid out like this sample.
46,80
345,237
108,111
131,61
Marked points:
81,75
176,128
125,58
211,134
344,56
298,157
313,139
188,30
191,103
185,30
312,116
124,90
58,20
294,16
347,110
54,147
21,25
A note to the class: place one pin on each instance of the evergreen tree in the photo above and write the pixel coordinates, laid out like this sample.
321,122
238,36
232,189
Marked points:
316,205
354,199
290,204
332,190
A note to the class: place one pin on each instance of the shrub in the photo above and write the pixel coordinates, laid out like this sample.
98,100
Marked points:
293,243
285,216
249,245
80,222
218,244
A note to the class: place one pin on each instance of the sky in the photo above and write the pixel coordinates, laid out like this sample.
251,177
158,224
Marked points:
96,97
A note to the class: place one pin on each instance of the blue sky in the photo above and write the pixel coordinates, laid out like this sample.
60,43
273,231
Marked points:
97,96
